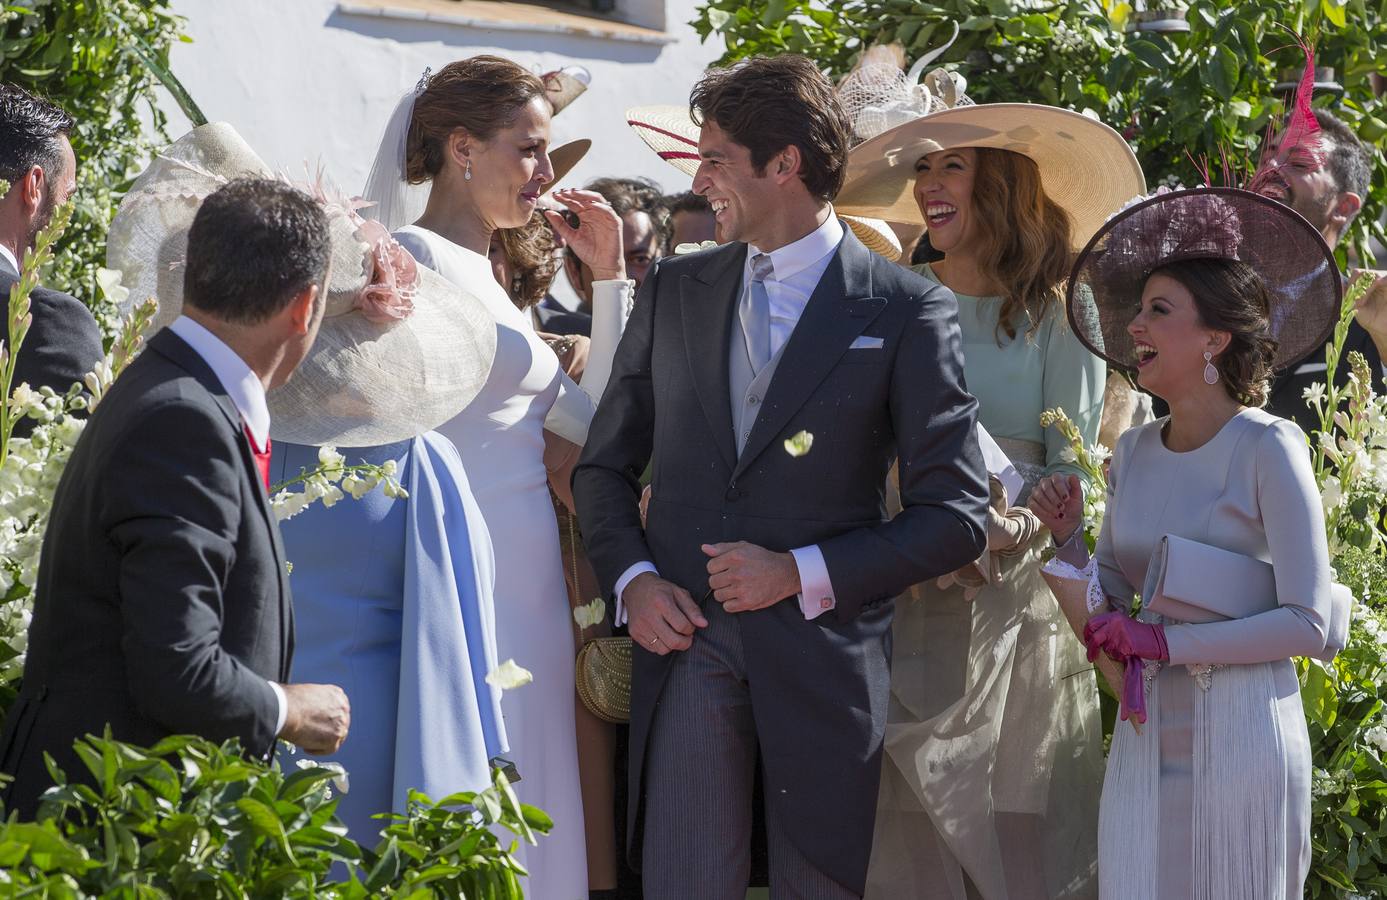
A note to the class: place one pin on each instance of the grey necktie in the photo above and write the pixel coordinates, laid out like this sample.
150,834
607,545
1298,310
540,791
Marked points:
756,313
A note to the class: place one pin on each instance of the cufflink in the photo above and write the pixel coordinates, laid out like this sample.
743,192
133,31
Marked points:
825,603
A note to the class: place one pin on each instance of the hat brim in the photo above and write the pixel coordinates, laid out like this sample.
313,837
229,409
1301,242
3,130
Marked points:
363,383
1288,253
564,157
1085,166
875,235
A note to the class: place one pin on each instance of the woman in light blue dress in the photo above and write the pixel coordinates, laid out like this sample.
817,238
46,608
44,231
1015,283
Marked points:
392,601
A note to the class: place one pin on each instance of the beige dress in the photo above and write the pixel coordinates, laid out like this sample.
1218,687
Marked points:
993,761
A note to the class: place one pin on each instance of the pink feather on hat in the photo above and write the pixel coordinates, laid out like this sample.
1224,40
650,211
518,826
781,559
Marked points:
1299,141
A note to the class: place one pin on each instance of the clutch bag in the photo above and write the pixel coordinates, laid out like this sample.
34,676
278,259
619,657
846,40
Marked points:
1192,582
603,676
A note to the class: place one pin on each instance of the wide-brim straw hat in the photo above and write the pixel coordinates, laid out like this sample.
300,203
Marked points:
363,383
672,134
1292,258
1085,166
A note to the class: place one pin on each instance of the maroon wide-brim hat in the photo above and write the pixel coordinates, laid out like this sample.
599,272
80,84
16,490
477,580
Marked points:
1289,254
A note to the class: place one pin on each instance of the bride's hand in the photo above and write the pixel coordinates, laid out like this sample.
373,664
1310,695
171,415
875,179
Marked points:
597,239
1058,501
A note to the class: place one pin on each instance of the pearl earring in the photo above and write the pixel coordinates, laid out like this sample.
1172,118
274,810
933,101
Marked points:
1210,373
467,172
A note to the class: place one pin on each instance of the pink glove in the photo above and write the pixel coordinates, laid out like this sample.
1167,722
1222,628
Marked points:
1133,701
1122,637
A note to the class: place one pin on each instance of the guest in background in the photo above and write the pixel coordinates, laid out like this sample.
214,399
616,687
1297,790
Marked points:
1319,167
36,158
644,232
691,220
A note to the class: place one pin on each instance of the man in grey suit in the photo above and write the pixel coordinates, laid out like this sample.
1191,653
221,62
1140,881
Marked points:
733,358
63,343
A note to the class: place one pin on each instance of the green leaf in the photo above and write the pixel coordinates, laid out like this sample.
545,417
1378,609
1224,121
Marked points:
718,18
1334,12
1221,71
386,870
1152,56
265,822
977,23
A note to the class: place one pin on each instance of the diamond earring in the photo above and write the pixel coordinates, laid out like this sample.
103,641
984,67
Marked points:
467,172
1210,373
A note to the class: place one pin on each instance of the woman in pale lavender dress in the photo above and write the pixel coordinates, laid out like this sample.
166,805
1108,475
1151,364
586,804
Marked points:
1203,293
477,132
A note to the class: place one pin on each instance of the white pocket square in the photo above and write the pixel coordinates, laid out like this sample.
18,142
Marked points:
867,342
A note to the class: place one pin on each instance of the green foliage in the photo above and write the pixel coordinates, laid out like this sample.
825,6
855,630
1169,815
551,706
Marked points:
1206,94
190,818
101,61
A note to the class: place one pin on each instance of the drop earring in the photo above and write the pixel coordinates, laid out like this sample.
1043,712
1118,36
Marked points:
1210,373
467,172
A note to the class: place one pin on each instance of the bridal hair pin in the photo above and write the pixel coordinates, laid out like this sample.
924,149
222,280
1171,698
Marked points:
423,80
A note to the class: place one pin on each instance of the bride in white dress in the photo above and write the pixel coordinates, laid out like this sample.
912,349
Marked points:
478,133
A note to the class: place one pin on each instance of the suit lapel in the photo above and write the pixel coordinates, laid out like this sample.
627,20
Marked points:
177,350
708,300
840,308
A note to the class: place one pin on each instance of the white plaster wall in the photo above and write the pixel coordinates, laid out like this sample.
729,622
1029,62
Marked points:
302,81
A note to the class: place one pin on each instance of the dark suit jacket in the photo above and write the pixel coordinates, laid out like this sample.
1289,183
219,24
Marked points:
163,603
63,343
553,318
819,688
1287,395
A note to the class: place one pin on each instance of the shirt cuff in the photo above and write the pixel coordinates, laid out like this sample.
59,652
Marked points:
283,702
816,590
626,578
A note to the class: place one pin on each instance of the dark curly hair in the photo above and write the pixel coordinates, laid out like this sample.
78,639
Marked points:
1230,296
530,250
29,130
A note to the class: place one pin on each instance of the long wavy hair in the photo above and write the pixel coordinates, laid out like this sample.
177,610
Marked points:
530,250
1025,239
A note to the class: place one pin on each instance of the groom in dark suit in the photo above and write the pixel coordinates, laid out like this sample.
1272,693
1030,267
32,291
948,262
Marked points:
163,603
771,383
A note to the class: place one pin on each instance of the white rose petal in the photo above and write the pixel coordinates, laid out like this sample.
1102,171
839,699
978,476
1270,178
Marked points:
509,676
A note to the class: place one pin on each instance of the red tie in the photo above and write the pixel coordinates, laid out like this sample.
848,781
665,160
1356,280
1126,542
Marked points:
262,457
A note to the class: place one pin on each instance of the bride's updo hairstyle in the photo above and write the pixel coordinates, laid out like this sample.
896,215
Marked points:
481,94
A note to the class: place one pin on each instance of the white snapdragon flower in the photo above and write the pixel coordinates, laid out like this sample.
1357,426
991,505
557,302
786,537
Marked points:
1315,393
1331,494
331,462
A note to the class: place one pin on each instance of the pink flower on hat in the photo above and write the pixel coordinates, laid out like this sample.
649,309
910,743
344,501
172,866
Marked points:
395,277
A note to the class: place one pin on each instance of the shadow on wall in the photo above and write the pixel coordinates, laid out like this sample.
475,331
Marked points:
575,46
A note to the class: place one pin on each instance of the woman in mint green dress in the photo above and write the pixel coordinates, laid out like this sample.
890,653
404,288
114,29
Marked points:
993,762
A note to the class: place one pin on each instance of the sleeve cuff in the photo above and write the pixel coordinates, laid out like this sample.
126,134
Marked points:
1075,550
283,703
626,578
816,590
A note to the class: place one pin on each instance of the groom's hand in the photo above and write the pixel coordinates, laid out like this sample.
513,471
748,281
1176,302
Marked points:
744,576
661,615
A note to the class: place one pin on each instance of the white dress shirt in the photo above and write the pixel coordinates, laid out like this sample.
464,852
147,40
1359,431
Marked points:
8,255
247,394
797,268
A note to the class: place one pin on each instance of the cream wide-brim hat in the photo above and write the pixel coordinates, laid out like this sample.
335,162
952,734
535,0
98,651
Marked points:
1085,166
363,383
672,134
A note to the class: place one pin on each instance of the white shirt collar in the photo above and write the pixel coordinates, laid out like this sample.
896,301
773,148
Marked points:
795,257
8,255
243,386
